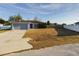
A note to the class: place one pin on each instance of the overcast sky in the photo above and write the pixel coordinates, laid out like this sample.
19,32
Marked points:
60,13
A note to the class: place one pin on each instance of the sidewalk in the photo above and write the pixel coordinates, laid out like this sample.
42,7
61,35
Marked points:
62,50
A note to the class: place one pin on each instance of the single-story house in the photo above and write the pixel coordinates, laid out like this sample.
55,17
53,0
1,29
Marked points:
29,24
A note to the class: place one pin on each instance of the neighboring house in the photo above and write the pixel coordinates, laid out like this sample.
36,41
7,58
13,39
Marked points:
1,25
74,27
77,23
29,24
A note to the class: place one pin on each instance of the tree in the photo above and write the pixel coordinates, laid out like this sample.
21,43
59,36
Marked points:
11,18
7,23
18,18
48,22
2,21
15,18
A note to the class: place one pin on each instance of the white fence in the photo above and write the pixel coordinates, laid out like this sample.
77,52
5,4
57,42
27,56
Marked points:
73,27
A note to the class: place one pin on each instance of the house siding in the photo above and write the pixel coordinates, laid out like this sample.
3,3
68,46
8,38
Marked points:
24,25
73,27
20,26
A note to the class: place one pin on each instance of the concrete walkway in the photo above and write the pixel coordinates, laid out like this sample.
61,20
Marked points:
11,41
62,50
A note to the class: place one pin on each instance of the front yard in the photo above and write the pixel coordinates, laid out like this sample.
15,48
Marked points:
2,31
42,38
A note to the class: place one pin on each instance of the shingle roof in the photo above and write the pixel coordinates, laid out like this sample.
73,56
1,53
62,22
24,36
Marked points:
33,21
28,21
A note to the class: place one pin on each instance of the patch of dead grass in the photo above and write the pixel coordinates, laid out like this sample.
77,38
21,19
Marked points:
40,34
48,37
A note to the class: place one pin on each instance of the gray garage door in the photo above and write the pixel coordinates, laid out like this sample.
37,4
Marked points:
20,26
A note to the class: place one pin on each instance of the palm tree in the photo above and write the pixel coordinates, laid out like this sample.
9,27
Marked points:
18,18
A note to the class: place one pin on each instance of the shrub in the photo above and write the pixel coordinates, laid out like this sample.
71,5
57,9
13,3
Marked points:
42,25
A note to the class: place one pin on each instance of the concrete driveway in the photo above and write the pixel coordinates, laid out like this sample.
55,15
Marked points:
62,50
12,40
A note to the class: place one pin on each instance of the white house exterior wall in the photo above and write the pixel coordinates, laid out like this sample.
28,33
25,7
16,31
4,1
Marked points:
73,27
19,26
23,25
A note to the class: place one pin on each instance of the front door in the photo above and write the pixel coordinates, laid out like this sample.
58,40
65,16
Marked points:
31,25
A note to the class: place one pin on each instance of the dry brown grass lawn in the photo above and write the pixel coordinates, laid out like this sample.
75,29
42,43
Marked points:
41,34
48,37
